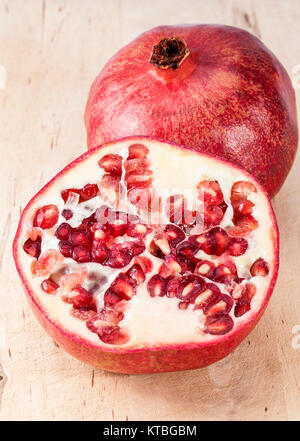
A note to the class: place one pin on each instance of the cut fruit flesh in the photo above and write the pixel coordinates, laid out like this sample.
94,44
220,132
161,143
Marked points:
173,286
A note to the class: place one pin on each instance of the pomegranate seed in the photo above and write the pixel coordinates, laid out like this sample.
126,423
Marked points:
137,151
250,291
225,273
218,325
174,234
46,217
101,232
241,190
183,305
124,286
111,299
189,287
87,223
170,267
119,256
173,287
99,253
33,247
220,306
111,189
156,286
205,268
65,248
80,298
145,263
237,246
81,254
111,164
118,226
243,208
241,308
235,290
63,231
112,334
69,195
82,314
135,247
223,206
187,265
259,268
140,178
212,215
46,262
69,281
131,165
138,171
141,198
104,324
82,238
243,303
49,286
34,233
138,230
243,226
210,192
88,192
186,251
213,242
155,250
110,315
210,293
136,273
67,214
163,245
218,241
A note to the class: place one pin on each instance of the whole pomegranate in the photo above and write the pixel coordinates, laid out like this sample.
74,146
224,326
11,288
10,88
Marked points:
132,270
215,88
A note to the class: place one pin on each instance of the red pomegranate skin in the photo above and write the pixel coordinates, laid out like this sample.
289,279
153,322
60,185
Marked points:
230,97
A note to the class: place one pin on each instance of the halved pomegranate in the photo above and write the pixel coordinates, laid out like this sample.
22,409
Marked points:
138,287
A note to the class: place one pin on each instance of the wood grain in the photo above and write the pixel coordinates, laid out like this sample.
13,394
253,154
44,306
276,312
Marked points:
51,51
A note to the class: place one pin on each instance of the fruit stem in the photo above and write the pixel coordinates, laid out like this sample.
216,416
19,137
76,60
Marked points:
169,53
172,59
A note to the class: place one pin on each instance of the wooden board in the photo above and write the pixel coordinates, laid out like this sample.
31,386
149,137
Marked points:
51,51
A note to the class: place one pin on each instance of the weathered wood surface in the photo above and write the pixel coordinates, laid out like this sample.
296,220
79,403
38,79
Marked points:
51,51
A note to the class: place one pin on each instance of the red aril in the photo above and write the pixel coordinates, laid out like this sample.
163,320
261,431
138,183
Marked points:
216,88
33,247
80,298
124,288
111,164
259,268
237,246
46,217
49,286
